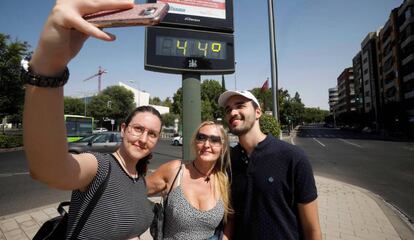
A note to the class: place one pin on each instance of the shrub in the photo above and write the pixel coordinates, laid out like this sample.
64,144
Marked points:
268,124
10,141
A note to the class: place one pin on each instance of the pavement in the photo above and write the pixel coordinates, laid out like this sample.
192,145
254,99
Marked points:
345,212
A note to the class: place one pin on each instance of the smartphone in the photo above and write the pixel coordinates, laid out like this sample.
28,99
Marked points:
140,15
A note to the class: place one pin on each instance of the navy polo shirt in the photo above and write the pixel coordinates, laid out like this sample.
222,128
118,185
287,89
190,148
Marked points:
266,187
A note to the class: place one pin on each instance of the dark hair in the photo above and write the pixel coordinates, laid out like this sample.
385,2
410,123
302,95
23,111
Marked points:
255,106
142,109
142,165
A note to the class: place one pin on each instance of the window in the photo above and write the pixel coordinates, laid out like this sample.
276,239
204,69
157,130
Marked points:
365,71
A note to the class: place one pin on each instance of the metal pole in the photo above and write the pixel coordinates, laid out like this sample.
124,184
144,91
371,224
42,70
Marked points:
235,79
273,60
191,110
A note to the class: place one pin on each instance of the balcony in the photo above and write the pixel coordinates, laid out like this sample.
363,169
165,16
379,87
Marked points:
408,77
406,23
408,59
407,41
389,85
409,95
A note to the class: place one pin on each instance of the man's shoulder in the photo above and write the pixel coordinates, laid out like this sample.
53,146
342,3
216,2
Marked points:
274,144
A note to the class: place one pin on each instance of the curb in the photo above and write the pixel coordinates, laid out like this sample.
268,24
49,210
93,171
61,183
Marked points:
11,149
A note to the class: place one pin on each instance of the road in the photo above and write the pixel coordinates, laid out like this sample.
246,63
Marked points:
19,192
383,167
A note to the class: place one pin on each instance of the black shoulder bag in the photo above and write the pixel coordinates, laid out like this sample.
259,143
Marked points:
56,227
157,225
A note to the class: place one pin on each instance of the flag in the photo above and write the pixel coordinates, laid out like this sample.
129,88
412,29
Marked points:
265,86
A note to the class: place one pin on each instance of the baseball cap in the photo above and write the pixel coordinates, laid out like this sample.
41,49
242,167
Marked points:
228,94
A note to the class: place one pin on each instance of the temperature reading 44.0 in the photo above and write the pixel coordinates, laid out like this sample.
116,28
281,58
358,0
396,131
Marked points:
188,47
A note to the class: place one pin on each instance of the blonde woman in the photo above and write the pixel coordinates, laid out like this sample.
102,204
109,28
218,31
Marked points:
199,199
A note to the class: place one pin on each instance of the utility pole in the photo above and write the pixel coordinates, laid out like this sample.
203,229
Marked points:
273,60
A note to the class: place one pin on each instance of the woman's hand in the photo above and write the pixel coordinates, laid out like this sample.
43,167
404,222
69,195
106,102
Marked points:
65,32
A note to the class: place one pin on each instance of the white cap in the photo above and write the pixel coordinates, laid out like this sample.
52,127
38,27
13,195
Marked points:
228,94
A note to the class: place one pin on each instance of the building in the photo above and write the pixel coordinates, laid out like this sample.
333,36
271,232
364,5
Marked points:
142,98
333,99
405,19
371,83
346,92
359,83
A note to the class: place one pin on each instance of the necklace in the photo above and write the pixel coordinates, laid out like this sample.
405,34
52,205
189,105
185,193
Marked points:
121,159
205,176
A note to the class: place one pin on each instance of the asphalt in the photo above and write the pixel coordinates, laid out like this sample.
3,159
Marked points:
345,212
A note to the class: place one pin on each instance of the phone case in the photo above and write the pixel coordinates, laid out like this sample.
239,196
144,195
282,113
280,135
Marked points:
140,15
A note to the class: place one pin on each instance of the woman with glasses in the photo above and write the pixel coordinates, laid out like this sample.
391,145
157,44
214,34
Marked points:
122,211
199,198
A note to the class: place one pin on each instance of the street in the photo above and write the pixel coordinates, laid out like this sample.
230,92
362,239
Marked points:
19,192
383,167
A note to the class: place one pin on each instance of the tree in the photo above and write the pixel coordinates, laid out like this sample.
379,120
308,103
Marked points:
210,91
11,88
114,102
177,105
268,124
155,101
314,115
74,106
168,119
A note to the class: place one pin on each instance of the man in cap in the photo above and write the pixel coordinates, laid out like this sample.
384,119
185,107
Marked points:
272,184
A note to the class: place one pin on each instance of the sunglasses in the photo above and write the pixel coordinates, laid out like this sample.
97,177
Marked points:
214,140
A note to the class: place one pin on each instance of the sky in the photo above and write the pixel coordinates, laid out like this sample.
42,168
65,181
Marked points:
315,40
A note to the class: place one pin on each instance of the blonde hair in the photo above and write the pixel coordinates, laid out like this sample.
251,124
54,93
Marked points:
220,168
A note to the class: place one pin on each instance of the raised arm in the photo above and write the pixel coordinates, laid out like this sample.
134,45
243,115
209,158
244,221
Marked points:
162,178
45,143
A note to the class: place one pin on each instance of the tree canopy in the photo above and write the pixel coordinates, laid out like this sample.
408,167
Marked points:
11,87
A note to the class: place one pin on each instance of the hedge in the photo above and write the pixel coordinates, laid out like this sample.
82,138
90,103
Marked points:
7,141
268,124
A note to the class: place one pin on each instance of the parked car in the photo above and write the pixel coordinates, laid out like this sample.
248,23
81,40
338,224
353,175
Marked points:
105,142
178,140
98,130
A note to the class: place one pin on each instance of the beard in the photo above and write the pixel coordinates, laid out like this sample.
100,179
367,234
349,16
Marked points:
242,128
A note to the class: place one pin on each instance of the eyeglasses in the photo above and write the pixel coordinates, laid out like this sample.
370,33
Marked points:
138,130
214,140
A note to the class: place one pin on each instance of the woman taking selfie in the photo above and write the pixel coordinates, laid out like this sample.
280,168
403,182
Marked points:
122,211
199,199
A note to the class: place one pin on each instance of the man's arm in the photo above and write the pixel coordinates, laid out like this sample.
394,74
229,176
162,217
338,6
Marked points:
309,218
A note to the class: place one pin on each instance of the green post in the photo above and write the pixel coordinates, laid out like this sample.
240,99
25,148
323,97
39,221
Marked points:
191,110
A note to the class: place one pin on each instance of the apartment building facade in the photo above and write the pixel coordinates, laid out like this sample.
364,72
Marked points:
333,99
346,92
359,83
405,19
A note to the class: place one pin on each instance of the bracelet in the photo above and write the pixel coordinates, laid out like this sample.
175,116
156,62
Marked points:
31,78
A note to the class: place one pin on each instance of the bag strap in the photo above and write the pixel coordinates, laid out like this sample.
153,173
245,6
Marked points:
172,185
91,205
60,208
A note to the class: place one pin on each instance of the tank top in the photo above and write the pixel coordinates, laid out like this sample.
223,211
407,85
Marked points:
122,212
183,221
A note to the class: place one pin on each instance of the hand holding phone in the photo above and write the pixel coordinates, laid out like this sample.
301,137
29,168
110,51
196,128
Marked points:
140,15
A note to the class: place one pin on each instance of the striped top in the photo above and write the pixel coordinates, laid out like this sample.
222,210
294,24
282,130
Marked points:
185,222
122,212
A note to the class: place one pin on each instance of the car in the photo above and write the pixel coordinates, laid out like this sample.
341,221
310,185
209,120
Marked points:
104,142
178,140
98,130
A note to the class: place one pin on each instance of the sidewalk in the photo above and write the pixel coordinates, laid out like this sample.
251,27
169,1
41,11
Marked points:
345,212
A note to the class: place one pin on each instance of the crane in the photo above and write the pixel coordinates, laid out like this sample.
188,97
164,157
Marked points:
99,75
